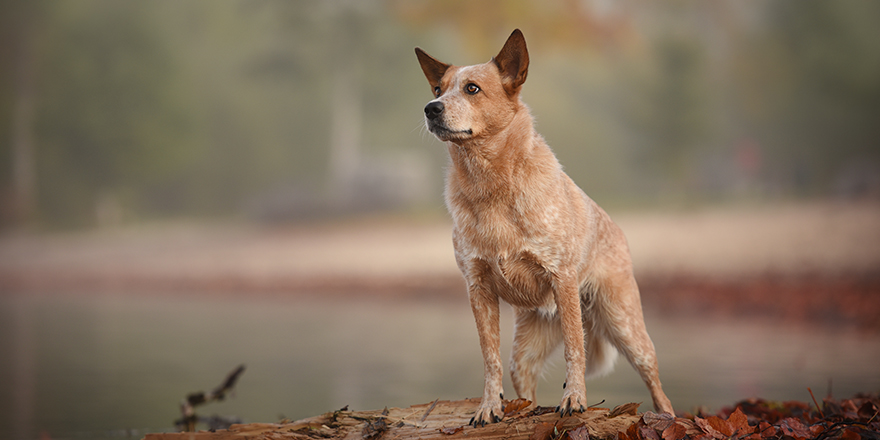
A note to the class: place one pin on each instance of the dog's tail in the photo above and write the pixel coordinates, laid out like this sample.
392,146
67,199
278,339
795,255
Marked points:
601,356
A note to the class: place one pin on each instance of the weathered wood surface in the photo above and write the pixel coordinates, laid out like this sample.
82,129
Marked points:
445,420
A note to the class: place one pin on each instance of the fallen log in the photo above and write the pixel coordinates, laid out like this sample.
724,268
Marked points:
437,420
756,419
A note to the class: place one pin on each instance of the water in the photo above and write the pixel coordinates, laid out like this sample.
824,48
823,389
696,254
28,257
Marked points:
115,366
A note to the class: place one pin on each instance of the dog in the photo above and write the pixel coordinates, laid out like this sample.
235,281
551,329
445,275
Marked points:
525,233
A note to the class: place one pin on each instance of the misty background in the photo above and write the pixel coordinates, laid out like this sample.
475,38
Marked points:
117,112
191,185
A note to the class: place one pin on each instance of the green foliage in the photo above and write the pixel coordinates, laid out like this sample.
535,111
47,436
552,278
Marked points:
168,108
827,57
107,121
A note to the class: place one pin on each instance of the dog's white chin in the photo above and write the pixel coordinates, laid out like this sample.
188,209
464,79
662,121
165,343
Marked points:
447,135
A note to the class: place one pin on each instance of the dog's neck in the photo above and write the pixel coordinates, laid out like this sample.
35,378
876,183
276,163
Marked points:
501,164
497,152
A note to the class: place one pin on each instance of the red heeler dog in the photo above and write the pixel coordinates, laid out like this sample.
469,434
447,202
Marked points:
525,233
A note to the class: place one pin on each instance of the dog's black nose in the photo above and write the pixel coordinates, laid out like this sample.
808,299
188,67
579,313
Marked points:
434,109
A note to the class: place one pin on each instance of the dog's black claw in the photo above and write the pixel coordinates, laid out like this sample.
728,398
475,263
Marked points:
564,384
495,418
501,395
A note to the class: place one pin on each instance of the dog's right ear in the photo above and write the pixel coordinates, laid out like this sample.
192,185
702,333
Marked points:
434,70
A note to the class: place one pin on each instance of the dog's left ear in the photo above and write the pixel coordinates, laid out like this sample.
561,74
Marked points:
513,62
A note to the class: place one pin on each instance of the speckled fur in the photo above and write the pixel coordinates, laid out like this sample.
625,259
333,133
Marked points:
523,232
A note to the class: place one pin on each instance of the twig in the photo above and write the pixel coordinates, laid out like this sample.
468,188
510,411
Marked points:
430,408
831,430
816,403
187,406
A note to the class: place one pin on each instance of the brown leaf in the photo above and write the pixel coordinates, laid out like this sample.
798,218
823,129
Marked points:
633,431
658,421
452,430
579,433
793,427
648,433
544,431
515,406
674,432
867,411
708,428
626,408
850,434
767,430
720,425
849,409
739,423
816,429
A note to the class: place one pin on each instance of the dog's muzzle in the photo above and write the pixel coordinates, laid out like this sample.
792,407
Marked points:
436,124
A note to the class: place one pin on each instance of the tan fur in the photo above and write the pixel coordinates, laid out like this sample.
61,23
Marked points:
523,232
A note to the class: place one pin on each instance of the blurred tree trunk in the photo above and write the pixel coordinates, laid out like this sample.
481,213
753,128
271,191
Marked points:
345,139
346,105
24,176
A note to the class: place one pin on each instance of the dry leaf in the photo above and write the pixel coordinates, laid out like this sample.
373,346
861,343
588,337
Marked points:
451,431
793,427
767,430
850,434
515,406
674,432
708,428
720,425
648,433
626,408
633,431
544,431
658,421
867,411
739,423
579,433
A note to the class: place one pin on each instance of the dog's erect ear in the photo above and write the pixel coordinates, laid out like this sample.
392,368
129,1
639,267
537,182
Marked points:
513,62
434,70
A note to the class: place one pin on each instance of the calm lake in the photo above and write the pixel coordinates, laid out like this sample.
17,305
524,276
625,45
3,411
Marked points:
77,366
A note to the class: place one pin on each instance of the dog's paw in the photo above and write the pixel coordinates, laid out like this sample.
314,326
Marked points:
572,402
487,412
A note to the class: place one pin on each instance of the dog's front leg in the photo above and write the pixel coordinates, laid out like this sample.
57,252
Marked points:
568,306
485,307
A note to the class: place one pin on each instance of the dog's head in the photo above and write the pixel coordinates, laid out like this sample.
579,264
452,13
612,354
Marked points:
478,101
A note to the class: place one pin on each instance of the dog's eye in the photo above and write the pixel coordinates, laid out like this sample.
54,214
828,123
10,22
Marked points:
437,91
472,89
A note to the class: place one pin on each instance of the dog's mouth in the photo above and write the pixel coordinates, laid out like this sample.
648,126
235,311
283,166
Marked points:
444,133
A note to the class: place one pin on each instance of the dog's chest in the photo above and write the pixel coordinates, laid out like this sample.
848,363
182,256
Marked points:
516,258
497,230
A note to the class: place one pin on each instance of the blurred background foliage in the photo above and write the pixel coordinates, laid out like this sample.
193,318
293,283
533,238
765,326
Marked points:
114,112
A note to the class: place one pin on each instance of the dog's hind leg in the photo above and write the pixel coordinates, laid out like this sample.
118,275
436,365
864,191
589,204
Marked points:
619,313
537,334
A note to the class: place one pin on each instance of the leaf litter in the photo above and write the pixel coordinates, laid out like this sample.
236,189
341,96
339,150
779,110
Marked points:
756,419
